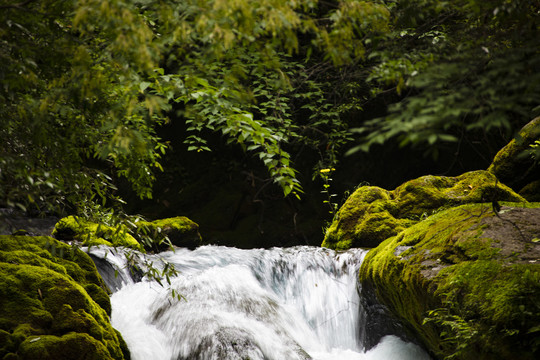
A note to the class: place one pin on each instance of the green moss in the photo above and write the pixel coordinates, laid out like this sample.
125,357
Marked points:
465,281
30,258
69,320
72,346
45,306
376,226
155,235
92,234
50,253
180,231
421,195
372,214
504,161
531,191
513,165
497,305
99,295
364,220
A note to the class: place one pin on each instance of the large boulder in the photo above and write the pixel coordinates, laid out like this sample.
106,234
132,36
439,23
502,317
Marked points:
516,167
465,281
54,304
371,214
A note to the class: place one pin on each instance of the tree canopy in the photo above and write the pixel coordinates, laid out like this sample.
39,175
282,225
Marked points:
87,84
458,67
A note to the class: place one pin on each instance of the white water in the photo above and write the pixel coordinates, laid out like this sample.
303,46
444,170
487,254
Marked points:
277,304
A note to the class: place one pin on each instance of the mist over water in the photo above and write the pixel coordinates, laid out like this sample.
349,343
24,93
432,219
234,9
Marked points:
276,304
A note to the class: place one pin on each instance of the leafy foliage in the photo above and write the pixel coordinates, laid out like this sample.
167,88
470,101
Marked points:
87,83
459,68
68,98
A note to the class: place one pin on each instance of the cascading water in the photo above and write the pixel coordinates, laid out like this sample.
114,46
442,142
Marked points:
276,304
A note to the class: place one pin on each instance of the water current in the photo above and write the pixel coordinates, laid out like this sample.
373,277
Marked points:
275,304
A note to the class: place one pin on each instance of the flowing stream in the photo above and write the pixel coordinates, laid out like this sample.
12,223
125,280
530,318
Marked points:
276,304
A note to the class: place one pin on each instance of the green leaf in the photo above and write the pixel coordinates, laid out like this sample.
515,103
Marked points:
144,85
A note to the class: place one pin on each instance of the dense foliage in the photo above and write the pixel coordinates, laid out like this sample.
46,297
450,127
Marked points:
87,84
464,70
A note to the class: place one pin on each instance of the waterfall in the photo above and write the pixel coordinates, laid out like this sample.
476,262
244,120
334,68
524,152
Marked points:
276,304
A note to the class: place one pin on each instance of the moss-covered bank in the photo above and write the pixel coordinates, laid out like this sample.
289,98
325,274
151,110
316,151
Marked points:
371,214
54,304
465,281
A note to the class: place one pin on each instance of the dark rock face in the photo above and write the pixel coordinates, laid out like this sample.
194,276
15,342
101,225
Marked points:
377,320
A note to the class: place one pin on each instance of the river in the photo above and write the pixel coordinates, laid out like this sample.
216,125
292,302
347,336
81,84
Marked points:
272,304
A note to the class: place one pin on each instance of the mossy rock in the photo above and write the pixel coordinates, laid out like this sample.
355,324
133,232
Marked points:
149,235
514,166
371,214
364,220
91,234
531,191
180,230
465,281
47,312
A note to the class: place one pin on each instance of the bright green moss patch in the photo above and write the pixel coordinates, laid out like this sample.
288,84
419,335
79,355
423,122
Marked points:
372,214
364,220
47,313
491,310
50,253
90,233
179,231
155,235
466,281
